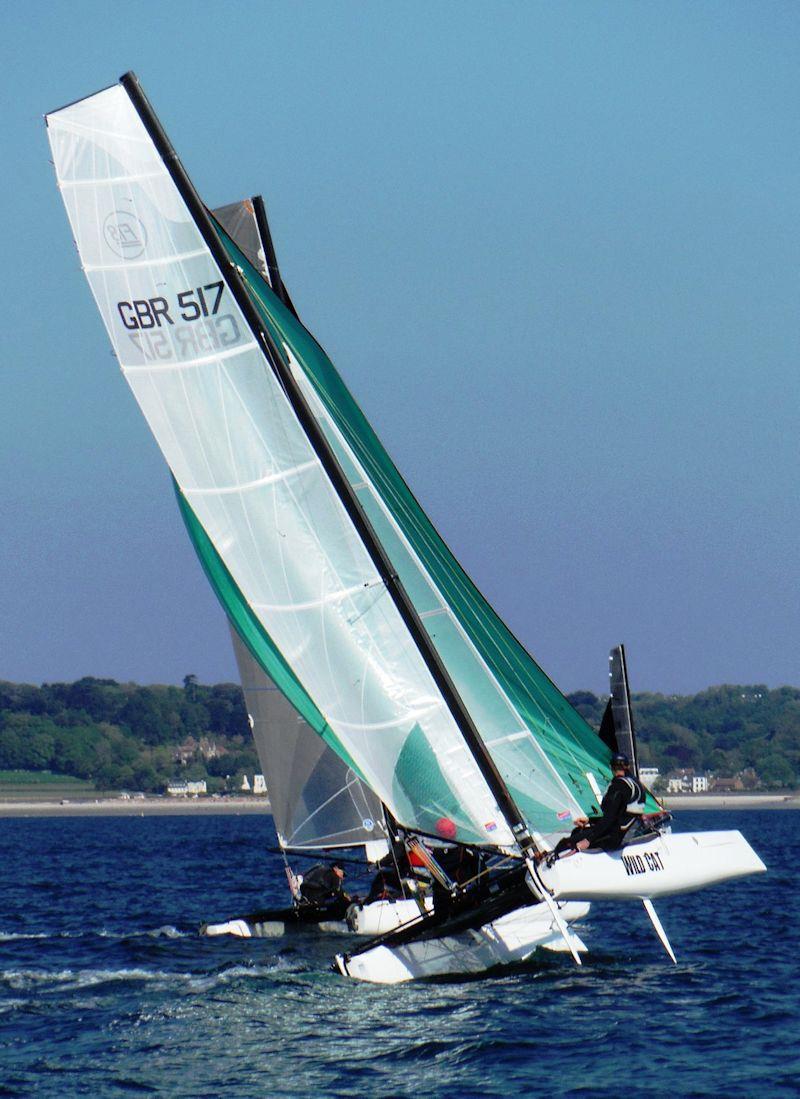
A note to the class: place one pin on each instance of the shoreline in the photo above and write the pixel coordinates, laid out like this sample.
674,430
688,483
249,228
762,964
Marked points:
162,806
732,801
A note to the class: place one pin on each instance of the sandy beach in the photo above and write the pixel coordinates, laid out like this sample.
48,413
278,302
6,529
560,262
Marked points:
733,801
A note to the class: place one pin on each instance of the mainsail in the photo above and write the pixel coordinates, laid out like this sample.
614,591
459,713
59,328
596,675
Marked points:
209,389
405,669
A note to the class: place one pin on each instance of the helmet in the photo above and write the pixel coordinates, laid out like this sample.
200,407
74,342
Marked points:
619,759
446,828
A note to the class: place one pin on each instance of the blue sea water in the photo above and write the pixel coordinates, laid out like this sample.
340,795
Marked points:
106,989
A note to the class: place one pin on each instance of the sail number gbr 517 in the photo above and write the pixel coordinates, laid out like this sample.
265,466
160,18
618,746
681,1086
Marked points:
164,329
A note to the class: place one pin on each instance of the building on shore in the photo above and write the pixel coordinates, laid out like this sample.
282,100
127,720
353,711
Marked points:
186,789
688,782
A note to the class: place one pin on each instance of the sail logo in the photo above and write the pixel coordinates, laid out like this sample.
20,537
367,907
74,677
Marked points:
124,234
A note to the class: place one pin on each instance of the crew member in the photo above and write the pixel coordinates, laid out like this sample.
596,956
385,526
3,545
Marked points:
462,866
387,884
322,887
622,803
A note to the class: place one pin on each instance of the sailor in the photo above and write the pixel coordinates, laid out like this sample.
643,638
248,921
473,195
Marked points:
392,869
622,804
322,888
462,865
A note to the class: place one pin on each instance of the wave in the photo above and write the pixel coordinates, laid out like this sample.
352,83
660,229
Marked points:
169,932
10,936
165,932
27,980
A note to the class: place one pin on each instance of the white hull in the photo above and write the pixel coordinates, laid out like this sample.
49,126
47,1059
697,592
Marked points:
270,929
382,916
669,863
371,919
511,938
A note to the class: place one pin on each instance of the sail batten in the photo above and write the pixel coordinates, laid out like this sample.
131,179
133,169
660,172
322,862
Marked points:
155,261
259,482
112,179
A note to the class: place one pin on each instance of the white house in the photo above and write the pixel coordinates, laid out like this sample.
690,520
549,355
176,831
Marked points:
186,789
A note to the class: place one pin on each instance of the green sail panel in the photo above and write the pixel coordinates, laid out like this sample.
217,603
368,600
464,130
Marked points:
542,746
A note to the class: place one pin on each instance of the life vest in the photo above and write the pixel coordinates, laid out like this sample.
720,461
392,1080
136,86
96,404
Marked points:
636,800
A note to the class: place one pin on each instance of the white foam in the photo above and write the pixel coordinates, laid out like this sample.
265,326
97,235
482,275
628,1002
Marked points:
10,936
22,980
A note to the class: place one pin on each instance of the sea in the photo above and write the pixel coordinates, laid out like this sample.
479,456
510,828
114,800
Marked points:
106,988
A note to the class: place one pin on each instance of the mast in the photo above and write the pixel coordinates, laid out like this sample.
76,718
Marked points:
347,496
617,729
275,280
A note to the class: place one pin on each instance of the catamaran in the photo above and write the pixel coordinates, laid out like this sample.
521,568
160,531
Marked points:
338,584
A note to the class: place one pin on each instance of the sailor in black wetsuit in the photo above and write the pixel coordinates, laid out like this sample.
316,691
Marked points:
622,803
387,884
321,888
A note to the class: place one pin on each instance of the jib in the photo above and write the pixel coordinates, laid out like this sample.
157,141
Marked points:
144,313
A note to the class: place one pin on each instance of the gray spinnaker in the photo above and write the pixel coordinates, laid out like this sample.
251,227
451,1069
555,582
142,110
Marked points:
317,801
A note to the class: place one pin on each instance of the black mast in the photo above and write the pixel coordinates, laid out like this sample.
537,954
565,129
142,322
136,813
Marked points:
275,280
344,490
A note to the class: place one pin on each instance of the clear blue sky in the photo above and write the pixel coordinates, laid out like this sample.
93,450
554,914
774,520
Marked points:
554,251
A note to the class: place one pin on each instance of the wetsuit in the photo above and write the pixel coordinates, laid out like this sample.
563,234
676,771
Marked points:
608,830
387,884
461,864
322,888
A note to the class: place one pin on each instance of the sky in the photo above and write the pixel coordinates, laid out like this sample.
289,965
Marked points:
552,248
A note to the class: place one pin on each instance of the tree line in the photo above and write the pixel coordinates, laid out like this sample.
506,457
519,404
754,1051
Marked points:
727,730
125,736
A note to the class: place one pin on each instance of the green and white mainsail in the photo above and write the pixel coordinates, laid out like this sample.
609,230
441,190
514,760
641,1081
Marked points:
246,466
268,505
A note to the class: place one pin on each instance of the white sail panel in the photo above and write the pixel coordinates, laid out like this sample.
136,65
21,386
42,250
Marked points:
255,484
